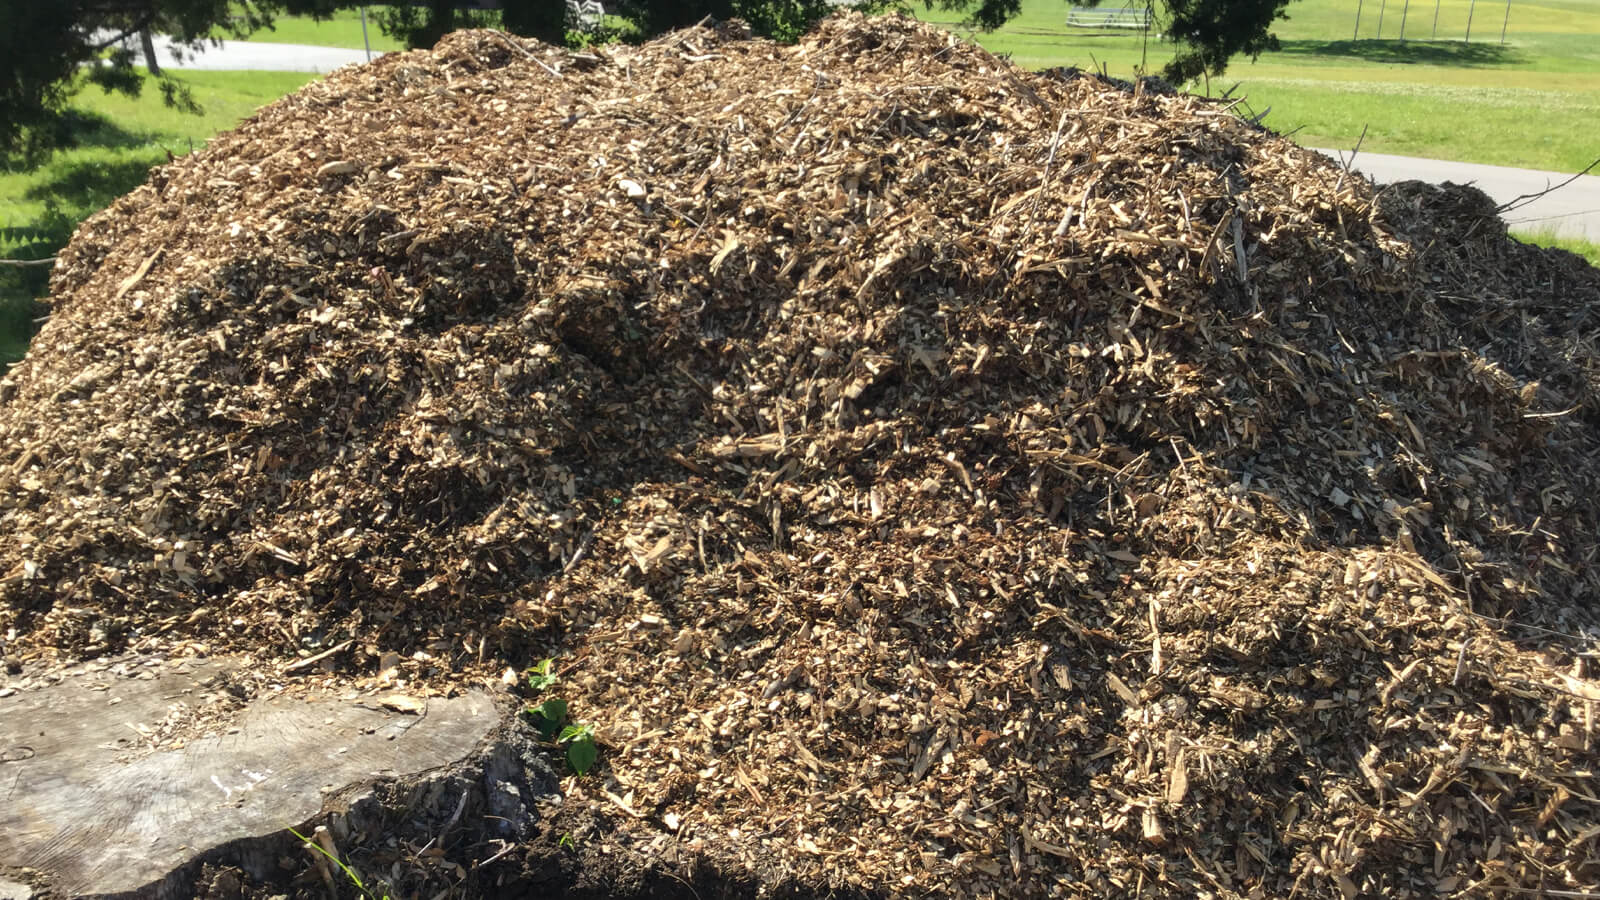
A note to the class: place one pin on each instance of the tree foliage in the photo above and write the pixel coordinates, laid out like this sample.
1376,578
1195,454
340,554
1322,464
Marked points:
783,19
422,24
54,48
1208,33
1211,32
786,20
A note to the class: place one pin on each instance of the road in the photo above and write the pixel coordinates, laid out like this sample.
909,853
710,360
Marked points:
253,55
1572,211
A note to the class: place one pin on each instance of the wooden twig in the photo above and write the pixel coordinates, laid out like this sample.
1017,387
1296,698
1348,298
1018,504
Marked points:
310,661
1461,663
49,260
506,847
1044,177
579,554
1516,203
320,858
527,54
1347,163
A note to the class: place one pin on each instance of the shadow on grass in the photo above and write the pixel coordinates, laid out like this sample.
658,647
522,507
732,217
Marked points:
81,128
73,129
1433,53
91,183
22,286
70,188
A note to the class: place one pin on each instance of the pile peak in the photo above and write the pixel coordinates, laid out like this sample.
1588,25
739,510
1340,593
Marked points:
931,476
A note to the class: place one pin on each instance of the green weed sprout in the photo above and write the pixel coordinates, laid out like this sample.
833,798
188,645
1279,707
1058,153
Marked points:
540,676
348,872
551,718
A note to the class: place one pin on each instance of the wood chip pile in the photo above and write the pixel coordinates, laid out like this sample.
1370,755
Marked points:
932,477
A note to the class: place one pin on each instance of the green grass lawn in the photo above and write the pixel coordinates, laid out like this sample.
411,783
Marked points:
1547,238
1532,102
343,30
118,140
1533,129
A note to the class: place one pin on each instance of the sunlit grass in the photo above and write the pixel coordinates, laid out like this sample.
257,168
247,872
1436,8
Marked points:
1532,102
1547,237
342,30
1500,126
138,132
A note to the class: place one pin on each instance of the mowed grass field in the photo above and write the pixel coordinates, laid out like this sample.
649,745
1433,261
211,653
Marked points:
1532,102
1547,237
342,30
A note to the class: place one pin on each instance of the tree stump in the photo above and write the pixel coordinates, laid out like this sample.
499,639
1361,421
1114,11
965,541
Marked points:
117,777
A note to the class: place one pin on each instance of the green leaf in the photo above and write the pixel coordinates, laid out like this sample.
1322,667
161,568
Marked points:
552,714
540,676
579,732
581,754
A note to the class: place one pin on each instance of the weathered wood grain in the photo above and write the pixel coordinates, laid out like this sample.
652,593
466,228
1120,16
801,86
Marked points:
81,801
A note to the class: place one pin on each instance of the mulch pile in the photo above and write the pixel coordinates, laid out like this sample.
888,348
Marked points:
932,477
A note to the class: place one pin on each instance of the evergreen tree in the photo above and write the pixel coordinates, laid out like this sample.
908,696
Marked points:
53,48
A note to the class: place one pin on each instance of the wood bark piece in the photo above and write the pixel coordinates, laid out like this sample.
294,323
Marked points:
104,801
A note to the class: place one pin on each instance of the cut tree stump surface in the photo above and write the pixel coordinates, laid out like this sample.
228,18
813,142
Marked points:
111,779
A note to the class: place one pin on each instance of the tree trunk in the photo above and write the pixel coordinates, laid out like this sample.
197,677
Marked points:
149,44
441,21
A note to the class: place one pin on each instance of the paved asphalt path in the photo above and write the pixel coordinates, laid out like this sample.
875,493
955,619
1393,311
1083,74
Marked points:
1572,211
248,55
